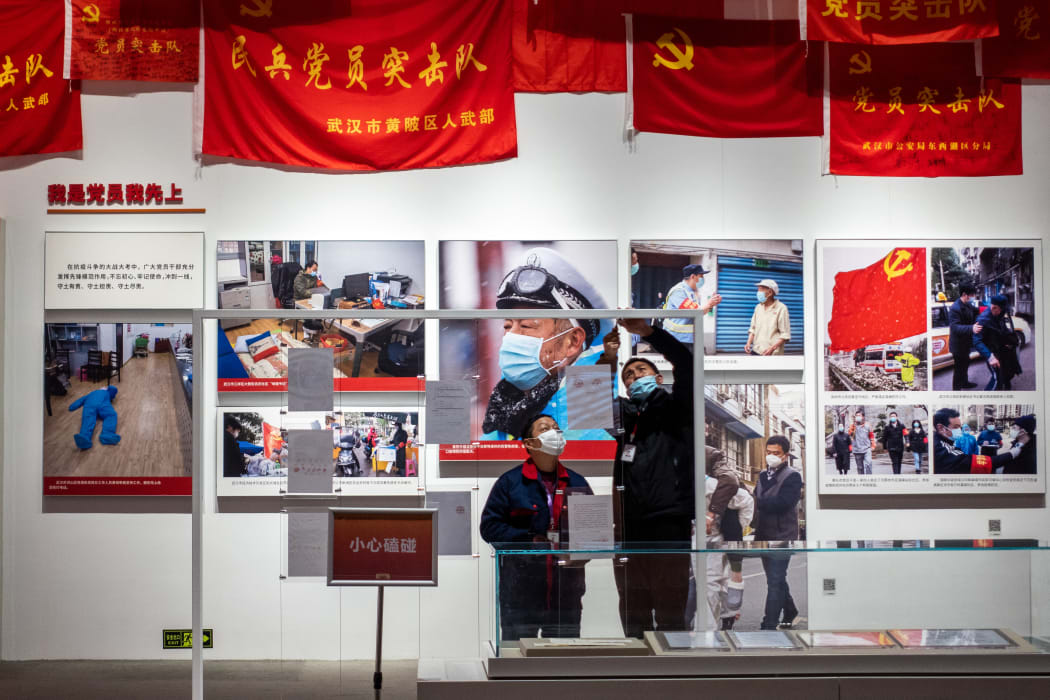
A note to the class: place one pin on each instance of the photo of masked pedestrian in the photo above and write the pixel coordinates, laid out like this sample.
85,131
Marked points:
841,444
996,341
653,477
962,321
893,441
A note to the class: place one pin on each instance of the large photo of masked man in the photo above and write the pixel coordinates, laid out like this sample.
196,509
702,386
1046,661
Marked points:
522,365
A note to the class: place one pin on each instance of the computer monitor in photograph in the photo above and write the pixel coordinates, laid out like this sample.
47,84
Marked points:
356,286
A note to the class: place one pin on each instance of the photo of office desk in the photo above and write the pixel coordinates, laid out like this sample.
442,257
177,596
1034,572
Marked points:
356,330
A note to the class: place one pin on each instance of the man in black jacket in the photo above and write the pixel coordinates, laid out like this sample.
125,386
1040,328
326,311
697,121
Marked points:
777,495
840,447
400,441
232,459
653,478
949,459
893,441
962,318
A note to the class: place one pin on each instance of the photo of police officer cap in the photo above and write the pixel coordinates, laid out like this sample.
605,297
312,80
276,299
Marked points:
694,269
546,280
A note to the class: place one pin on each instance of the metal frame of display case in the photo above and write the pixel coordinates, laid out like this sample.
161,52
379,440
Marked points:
199,457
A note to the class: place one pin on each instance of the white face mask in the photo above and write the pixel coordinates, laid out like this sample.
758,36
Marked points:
552,442
1014,432
859,420
772,461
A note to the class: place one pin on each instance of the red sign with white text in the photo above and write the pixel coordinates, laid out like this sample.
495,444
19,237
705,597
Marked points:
1022,49
135,40
376,85
39,110
920,111
900,21
726,78
383,548
117,486
513,451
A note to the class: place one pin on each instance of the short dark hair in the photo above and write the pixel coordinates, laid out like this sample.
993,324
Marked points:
944,416
967,288
525,434
637,358
780,441
232,422
309,264
893,413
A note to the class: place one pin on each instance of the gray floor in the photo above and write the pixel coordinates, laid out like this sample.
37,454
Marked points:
160,680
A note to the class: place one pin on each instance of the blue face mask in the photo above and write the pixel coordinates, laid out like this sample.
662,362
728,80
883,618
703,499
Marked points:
761,296
957,433
634,269
312,273
642,387
893,420
519,359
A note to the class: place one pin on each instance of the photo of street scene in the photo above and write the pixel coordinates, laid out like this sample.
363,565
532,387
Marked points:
876,439
751,290
874,318
982,309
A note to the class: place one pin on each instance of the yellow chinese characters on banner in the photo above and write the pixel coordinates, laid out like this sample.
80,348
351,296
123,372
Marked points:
900,21
920,110
128,40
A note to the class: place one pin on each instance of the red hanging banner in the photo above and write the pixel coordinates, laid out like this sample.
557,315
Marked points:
900,21
376,85
134,40
725,78
580,45
1022,49
880,303
39,110
920,111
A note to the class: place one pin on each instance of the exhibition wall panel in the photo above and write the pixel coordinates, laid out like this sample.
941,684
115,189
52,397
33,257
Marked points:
574,181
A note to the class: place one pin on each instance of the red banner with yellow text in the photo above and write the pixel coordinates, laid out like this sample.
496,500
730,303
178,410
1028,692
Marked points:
39,110
580,45
376,85
134,40
900,21
920,111
1022,49
725,78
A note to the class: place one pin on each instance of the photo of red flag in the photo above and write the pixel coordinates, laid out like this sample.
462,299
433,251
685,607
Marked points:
39,110
1022,49
725,78
880,303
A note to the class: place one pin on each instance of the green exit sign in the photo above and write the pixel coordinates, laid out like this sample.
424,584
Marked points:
759,262
183,639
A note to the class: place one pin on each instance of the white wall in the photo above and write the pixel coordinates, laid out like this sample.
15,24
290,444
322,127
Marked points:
107,337
336,259
86,584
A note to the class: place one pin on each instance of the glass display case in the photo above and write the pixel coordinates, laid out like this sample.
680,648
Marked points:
958,606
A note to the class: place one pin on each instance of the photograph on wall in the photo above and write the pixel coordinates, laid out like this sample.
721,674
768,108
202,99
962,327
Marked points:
522,366
376,354
750,291
986,439
874,317
370,354
876,439
118,399
757,431
374,450
983,311
945,336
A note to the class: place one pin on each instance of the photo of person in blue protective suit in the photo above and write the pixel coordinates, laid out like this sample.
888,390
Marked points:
117,411
97,406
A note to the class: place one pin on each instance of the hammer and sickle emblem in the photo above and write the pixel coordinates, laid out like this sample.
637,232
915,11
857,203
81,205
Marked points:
91,14
263,8
859,63
896,268
682,59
